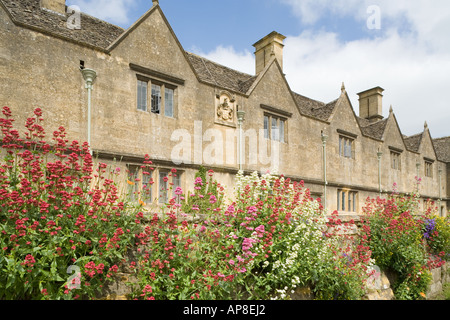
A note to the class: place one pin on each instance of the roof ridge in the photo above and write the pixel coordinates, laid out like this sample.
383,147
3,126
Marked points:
100,20
377,122
329,103
414,135
311,99
441,138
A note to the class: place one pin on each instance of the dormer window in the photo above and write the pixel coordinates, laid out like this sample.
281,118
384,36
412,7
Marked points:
275,123
429,168
156,92
274,127
396,162
346,144
346,147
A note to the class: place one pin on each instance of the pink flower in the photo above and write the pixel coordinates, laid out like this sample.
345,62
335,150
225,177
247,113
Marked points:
212,199
231,262
178,191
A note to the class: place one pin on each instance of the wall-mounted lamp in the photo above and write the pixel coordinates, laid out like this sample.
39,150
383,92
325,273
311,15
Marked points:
379,154
89,77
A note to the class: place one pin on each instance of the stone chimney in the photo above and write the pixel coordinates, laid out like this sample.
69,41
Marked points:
269,46
58,6
371,104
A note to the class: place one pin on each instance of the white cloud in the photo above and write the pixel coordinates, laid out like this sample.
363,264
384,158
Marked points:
411,63
414,79
309,11
113,11
228,56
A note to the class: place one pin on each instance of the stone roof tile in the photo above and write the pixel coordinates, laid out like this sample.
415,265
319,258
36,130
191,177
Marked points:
442,147
413,142
219,75
313,108
94,32
374,129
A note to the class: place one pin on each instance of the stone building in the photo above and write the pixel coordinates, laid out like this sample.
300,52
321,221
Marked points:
150,96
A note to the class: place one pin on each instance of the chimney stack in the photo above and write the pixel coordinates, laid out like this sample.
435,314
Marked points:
371,104
269,46
58,6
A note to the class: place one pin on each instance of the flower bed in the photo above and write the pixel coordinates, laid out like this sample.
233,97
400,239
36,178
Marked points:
65,231
406,244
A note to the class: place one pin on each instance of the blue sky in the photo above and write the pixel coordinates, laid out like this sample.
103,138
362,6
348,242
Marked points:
328,42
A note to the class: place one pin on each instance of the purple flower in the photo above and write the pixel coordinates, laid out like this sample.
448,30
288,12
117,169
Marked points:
430,224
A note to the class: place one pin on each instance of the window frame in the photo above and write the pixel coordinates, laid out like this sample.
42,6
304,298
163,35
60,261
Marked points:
428,168
347,200
133,181
163,195
170,183
346,147
139,104
147,186
171,99
162,96
396,162
155,94
268,131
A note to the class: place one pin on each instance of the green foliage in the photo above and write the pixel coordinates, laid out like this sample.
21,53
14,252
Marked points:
272,240
438,236
207,196
395,238
63,230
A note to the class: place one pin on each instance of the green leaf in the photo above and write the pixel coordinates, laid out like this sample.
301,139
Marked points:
11,280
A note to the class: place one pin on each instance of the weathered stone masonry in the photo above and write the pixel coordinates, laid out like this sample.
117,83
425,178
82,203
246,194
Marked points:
40,61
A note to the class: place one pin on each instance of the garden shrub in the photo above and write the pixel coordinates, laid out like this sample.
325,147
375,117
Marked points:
436,231
270,240
394,231
207,196
63,228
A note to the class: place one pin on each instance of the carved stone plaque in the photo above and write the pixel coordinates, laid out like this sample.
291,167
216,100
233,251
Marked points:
225,109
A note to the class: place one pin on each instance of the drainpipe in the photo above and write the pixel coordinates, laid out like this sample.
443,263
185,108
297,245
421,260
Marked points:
417,175
240,116
379,154
324,147
440,187
89,76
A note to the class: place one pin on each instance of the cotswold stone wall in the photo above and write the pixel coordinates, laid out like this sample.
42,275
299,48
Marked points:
441,276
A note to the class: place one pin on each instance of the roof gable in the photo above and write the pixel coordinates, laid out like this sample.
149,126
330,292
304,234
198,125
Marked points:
421,143
343,112
427,147
273,81
151,43
392,134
